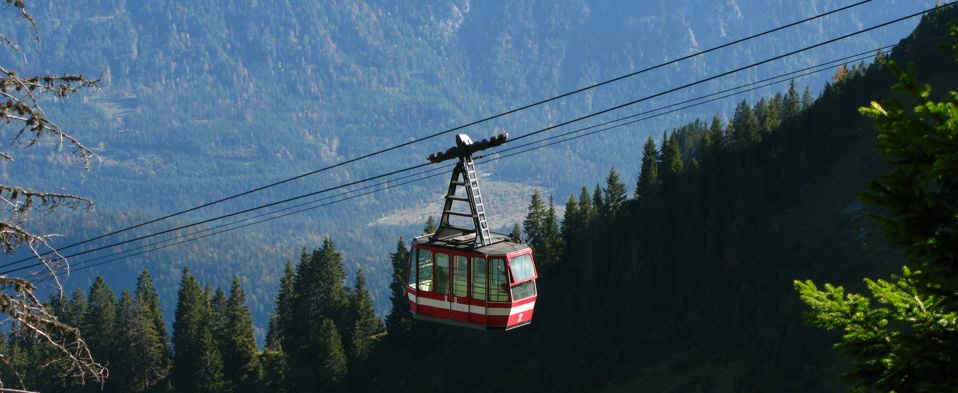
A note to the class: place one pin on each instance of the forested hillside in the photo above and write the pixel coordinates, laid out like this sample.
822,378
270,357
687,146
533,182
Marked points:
207,98
682,285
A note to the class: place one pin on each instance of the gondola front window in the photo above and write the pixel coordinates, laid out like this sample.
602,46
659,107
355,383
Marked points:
498,287
524,290
425,270
522,269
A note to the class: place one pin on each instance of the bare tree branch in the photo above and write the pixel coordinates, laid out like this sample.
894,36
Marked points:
13,196
27,317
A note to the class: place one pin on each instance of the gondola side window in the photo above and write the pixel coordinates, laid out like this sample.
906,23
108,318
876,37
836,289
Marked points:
412,269
479,272
460,273
498,284
425,270
442,273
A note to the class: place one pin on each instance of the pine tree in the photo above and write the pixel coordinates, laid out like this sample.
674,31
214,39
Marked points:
903,335
746,125
145,363
218,319
672,163
146,295
122,373
283,313
99,322
649,176
364,325
197,364
807,99
533,223
332,368
430,225
571,220
516,235
318,295
241,367
792,103
586,210
551,238
399,321
75,309
615,195
598,205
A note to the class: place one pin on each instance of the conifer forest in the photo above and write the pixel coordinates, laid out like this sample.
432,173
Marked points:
235,196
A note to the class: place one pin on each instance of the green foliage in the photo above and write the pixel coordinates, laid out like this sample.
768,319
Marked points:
331,374
533,224
197,363
100,320
516,234
430,225
399,321
903,336
318,296
649,176
241,367
615,195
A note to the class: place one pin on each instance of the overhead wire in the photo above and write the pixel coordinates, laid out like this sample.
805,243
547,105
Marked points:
447,131
303,207
714,77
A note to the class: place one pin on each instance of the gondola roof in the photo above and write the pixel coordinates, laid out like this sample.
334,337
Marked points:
464,240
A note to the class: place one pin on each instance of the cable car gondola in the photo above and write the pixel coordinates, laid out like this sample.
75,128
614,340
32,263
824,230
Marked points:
463,274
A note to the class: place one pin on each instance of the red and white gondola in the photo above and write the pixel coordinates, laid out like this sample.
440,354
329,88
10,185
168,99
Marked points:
470,277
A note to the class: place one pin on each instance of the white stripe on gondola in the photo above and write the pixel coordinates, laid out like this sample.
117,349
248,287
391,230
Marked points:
478,310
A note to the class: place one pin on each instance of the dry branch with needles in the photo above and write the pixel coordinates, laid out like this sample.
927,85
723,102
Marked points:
21,311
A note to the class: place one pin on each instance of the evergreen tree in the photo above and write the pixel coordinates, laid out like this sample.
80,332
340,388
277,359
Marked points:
615,195
99,322
122,373
332,368
197,364
145,365
672,163
586,211
746,125
649,176
807,99
571,221
241,368
534,222
399,321
74,310
146,295
319,295
598,205
516,234
283,314
274,370
430,226
903,335
551,238
364,325
792,102
219,319
717,137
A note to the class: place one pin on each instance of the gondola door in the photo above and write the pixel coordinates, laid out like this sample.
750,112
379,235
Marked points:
459,295
443,289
